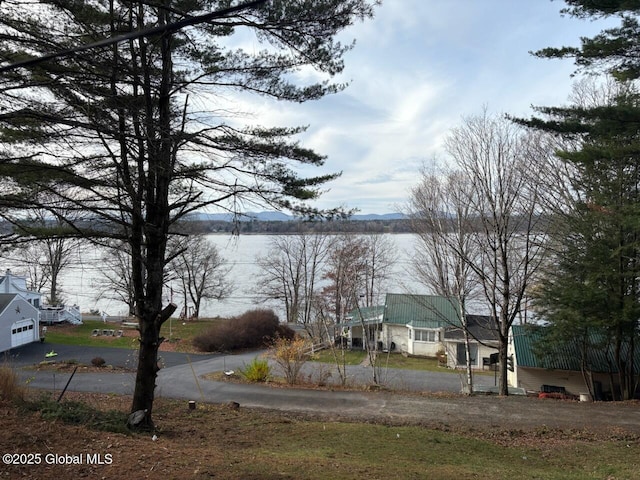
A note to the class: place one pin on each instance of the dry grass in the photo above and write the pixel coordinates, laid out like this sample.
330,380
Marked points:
10,387
216,441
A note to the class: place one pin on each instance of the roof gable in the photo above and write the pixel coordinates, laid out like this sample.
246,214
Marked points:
10,283
5,300
421,311
480,327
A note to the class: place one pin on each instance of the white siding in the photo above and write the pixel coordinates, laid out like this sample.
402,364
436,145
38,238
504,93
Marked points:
17,315
452,350
396,334
418,346
532,379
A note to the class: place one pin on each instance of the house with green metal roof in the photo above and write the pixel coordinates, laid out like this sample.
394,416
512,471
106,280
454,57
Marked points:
412,324
416,323
567,368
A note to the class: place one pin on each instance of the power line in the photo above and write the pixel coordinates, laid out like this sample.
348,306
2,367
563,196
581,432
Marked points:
171,27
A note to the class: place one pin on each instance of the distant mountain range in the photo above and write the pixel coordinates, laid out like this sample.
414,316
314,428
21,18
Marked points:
283,217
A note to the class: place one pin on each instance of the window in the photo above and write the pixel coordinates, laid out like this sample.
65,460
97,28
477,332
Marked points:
427,336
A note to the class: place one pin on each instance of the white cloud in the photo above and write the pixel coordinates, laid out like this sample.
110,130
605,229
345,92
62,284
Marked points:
417,69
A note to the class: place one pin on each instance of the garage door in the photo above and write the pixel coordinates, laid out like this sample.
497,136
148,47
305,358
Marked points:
22,332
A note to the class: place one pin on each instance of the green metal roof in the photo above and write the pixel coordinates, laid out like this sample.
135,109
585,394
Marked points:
528,342
368,315
421,311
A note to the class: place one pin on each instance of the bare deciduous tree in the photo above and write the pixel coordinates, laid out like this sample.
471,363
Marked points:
49,252
29,256
496,157
381,256
357,268
114,281
290,273
200,270
345,274
441,217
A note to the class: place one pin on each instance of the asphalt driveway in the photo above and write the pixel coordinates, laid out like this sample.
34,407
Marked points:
181,369
182,379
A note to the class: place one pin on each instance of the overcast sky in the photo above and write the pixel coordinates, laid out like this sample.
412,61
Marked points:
417,69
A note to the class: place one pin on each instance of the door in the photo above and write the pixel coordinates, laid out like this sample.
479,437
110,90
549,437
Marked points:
22,332
461,358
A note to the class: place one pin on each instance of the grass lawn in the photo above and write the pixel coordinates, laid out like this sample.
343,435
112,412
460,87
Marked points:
388,360
181,333
177,333
81,335
219,442
348,357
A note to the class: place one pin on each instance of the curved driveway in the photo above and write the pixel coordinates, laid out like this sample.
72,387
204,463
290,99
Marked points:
182,374
182,379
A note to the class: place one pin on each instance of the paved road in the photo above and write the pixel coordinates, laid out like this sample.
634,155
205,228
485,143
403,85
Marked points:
182,379
181,375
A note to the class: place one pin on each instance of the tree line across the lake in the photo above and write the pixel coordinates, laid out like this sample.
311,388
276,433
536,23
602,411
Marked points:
294,226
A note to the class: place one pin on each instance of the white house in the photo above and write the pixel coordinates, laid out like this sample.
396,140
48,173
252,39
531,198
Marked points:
563,368
10,283
19,321
483,343
412,324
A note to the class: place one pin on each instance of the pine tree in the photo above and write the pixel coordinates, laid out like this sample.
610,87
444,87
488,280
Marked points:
133,136
590,291
593,288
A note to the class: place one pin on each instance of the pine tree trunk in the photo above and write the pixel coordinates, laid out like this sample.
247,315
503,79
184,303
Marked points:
147,371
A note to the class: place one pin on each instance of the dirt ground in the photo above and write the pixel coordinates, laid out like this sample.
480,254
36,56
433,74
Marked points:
191,443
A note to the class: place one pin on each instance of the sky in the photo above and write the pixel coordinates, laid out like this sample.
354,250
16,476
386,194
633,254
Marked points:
417,70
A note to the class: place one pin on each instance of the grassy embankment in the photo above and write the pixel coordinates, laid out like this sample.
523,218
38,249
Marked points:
215,441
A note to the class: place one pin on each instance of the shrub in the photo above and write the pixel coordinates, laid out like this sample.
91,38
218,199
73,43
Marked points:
10,387
98,362
257,371
79,413
252,329
291,355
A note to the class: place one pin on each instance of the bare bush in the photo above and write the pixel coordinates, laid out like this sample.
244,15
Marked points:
291,355
253,329
98,362
10,387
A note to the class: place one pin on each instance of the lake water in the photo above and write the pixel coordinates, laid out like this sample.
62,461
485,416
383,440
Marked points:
240,253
